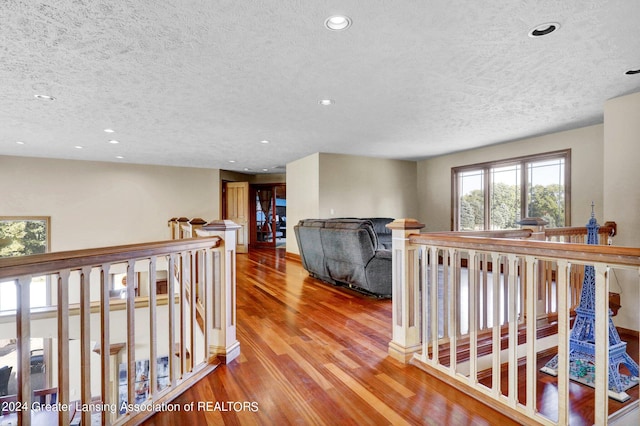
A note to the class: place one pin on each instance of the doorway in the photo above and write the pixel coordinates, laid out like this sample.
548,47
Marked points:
235,207
269,217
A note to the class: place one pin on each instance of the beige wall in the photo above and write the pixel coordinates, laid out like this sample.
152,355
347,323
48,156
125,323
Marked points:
94,204
622,194
353,186
434,175
303,194
332,185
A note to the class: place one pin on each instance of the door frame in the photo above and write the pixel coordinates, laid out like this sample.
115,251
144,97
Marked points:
253,223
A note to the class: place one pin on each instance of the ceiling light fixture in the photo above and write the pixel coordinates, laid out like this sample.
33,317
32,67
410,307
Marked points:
543,29
326,102
114,142
264,141
78,147
632,72
337,22
119,157
232,161
45,97
20,142
109,131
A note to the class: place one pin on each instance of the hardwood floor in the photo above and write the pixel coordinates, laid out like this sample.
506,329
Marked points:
315,354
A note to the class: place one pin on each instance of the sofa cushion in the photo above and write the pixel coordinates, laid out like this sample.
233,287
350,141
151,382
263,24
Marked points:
347,253
365,224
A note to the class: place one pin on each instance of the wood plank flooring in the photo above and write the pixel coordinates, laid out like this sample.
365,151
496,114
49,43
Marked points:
315,354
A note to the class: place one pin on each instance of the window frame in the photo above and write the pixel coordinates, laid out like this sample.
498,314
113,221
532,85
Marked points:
522,161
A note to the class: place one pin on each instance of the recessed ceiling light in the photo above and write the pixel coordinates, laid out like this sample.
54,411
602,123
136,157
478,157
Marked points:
20,142
119,157
265,170
114,142
264,141
109,130
337,22
246,169
78,147
543,29
44,97
326,102
632,72
232,161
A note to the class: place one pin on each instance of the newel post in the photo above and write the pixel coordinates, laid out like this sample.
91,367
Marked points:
179,227
191,228
220,291
536,225
406,338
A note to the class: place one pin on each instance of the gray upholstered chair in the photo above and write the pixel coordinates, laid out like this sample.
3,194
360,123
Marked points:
5,374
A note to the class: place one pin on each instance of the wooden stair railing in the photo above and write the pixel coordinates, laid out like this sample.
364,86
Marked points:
85,276
429,281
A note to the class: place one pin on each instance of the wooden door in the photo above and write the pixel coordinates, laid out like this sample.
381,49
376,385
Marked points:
237,210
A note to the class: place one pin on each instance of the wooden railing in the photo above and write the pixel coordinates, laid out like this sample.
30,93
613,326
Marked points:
119,384
578,234
462,311
575,235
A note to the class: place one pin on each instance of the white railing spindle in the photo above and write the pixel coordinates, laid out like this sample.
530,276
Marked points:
74,274
514,277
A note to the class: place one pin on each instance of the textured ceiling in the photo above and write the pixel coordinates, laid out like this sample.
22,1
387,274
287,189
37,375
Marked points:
201,82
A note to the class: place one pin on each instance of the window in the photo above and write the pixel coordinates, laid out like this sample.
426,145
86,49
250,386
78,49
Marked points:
20,236
496,195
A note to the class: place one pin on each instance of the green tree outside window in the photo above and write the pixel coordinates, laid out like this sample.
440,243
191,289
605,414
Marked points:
23,236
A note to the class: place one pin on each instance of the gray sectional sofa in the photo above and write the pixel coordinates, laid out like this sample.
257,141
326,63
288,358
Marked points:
347,252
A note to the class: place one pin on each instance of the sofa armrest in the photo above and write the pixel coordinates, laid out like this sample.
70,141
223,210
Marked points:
383,254
378,272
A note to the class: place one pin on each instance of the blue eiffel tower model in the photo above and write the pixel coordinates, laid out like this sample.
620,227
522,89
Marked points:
582,339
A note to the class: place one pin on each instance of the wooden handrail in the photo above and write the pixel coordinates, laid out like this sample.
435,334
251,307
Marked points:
441,305
609,228
505,233
42,263
582,252
92,268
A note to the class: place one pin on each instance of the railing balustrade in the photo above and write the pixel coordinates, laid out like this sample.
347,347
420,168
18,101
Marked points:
124,330
576,235
465,309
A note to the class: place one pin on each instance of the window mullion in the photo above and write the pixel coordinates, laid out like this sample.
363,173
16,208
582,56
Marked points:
524,186
487,198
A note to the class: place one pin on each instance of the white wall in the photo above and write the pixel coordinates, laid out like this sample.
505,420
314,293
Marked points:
95,204
586,144
622,194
